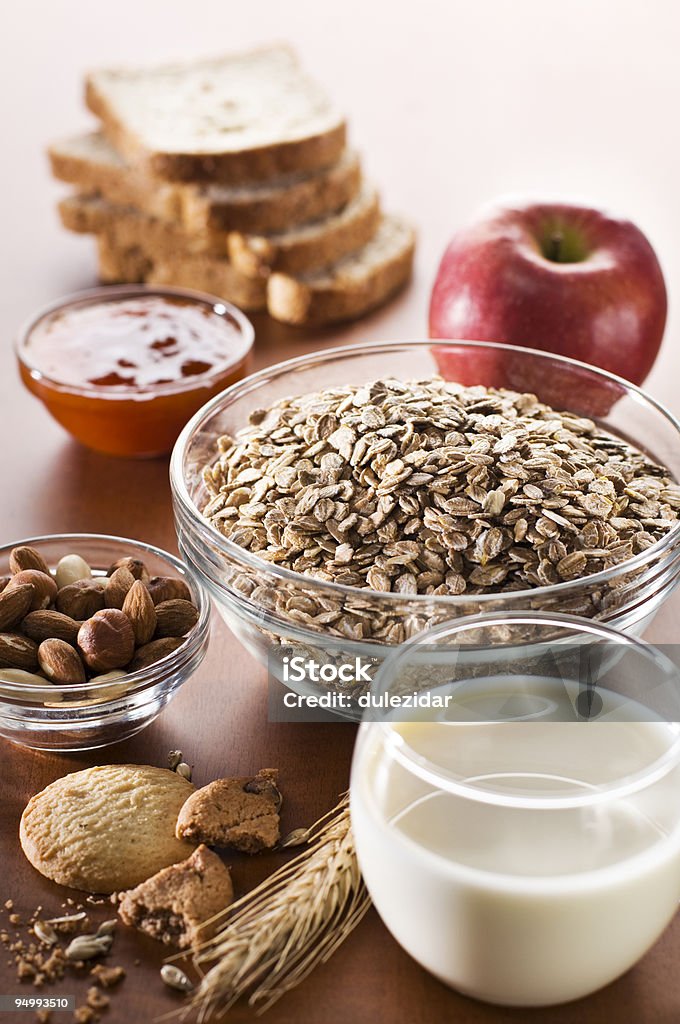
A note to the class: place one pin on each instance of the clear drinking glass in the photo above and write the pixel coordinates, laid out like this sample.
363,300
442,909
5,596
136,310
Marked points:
521,839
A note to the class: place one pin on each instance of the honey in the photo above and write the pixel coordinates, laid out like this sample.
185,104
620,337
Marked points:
123,369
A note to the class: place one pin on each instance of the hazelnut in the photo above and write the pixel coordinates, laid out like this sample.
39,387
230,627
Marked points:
175,618
168,588
80,600
44,587
106,640
133,565
152,652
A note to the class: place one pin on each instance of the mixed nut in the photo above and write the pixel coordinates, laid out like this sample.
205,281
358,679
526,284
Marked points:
71,626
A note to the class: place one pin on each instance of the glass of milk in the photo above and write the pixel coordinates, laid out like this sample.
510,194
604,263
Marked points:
515,802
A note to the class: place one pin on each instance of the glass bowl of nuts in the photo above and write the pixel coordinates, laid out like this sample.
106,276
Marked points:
97,634
338,504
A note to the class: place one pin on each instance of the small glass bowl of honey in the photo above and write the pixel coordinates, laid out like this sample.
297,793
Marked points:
122,369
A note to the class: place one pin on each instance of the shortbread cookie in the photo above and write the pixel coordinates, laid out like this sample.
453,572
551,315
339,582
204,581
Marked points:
239,813
107,828
173,904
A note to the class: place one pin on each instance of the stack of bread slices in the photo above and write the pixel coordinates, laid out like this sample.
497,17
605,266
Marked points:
232,176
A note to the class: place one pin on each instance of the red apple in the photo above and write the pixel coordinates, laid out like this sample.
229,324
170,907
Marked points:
565,279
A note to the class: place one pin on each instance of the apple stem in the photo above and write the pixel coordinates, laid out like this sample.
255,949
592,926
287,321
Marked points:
555,252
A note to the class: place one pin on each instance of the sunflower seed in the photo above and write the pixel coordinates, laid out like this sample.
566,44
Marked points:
45,932
86,947
175,978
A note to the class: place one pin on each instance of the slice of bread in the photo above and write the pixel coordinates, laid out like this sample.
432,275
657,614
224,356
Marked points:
348,289
132,264
351,288
91,163
90,215
238,118
121,266
312,246
297,251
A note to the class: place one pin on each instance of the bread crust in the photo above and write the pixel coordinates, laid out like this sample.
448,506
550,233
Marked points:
134,248
253,256
310,248
132,265
306,302
301,302
262,209
254,163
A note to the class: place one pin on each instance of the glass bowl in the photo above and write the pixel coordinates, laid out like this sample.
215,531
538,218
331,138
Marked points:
521,838
96,714
128,420
269,608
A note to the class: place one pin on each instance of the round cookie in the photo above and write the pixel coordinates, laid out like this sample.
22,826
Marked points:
107,828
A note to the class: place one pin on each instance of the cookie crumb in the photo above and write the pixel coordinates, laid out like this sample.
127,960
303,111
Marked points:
24,969
43,1016
9,904
107,977
96,999
15,919
85,1015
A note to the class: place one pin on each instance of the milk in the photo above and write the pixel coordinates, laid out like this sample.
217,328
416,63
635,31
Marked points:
523,883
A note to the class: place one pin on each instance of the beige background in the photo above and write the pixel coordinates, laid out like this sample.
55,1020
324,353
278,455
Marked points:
450,103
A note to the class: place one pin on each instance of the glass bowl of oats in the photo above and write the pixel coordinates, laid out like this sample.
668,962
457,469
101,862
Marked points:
87,651
339,503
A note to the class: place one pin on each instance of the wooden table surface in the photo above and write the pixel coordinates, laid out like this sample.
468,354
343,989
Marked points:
450,104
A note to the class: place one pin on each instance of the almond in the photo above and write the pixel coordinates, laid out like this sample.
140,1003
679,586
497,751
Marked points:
133,565
81,599
149,654
19,675
44,587
167,588
117,587
106,640
71,568
14,604
60,662
176,617
4,580
109,677
48,624
140,610
17,651
27,558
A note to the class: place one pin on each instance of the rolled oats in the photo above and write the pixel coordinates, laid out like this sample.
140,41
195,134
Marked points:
430,488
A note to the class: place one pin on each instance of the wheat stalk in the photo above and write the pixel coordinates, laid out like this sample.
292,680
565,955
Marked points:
276,934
